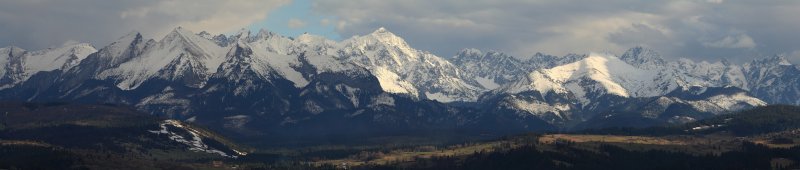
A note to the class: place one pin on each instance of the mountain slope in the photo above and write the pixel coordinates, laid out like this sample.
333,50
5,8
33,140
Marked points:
434,77
90,132
19,65
773,79
179,56
603,90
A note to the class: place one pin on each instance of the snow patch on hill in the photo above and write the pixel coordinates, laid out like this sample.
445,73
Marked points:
195,143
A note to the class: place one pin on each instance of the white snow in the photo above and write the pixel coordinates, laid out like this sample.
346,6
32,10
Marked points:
722,103
167,98
7,53
269,62
391,82
597,73
382,99
204,55
350,92
400,68
195,143
60,58
383,50
118,47
539,108
486,83
784,62
710,74
441,97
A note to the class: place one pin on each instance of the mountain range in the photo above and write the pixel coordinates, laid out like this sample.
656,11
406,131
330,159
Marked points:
270,87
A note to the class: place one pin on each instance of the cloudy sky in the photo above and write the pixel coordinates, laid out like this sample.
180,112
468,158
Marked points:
698,29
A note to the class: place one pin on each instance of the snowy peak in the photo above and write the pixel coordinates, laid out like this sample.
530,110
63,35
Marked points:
180,31
125,48
180,49
392,83
62,58
480,56
19,65
127,38
182,40
434,77
11,51
12,60
312,40
491,68
544,61
243,35
381,30
469,52
206,35
644,58
265,34
772,60
381,35
123,43
269,63
593,77
180,35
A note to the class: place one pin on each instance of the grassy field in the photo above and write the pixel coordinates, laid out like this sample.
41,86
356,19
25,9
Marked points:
705,144
406,155
23,142
409,155
549,139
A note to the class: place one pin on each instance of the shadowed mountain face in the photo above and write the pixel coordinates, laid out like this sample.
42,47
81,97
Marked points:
266,87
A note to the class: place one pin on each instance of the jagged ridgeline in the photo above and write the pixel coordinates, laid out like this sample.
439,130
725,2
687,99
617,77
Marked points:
269,87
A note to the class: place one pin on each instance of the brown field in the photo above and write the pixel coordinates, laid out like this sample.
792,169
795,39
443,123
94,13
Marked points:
22,142
407,155
714,143
549,139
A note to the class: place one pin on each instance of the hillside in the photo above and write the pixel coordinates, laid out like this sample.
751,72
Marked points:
761,138
755,121
101,137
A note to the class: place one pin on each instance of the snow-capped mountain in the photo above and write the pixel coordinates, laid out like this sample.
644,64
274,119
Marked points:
402,69
773,79
596,74
19,65
264,84
491,68
603,83
179,56
643,58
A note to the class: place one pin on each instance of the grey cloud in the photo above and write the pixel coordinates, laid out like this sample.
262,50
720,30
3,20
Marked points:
34,24
698,29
